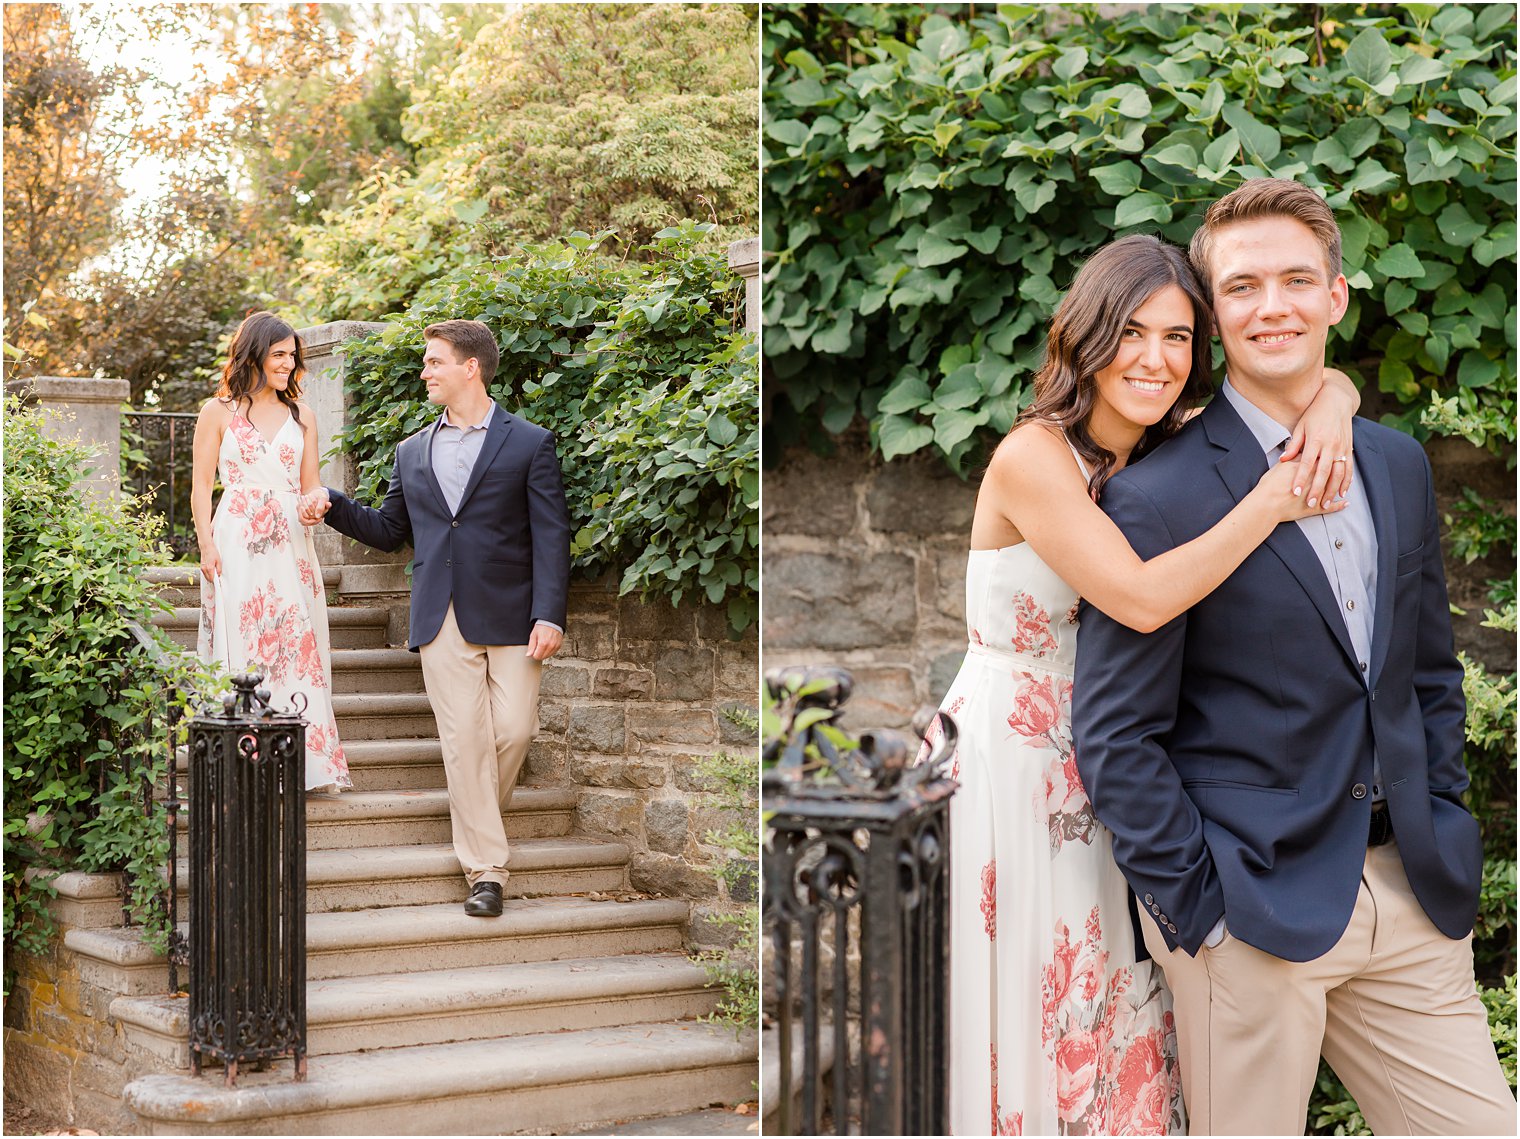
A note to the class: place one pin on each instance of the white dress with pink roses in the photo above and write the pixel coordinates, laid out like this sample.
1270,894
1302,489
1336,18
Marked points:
267,612
1055,1028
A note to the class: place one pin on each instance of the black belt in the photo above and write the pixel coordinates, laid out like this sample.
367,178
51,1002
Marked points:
1380,828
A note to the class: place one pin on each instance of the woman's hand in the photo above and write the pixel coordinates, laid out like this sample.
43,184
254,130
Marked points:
1277,490
211,561
1322,440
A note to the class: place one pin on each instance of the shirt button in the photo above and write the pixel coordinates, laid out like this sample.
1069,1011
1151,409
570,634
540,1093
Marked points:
1339,543
1359,790
1361,664
1351,604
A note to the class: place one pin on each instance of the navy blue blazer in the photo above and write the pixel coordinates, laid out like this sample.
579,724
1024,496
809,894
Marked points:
1230,751
503,559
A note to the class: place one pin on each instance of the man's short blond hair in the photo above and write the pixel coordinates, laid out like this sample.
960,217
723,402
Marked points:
1267,198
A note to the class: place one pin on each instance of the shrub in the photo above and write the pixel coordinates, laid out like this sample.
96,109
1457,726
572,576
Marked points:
649,382
932,185
732,778
84,702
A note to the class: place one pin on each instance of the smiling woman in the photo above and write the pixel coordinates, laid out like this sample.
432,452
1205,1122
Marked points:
263,605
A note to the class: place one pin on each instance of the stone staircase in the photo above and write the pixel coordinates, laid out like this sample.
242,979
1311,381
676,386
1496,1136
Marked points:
576,1006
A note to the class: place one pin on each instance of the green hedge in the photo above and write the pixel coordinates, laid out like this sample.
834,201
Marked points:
932,184
644,372
84,702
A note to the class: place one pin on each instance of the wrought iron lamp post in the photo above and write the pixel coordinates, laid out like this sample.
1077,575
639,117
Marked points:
863,833
248,882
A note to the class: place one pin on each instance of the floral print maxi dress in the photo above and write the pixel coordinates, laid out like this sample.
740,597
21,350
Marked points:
1055,1029
267,611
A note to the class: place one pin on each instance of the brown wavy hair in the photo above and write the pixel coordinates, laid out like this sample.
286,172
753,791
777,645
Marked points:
1084,339
243,374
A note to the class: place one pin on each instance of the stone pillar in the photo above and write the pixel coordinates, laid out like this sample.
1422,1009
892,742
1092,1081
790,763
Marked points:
744,259
84,409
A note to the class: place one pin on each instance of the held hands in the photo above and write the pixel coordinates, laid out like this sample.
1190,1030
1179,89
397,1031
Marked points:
544,641
1321,441
311,507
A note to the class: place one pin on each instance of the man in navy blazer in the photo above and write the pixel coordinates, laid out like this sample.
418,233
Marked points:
1281,765
479,496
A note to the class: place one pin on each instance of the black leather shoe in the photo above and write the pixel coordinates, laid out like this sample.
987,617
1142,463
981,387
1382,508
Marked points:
484,900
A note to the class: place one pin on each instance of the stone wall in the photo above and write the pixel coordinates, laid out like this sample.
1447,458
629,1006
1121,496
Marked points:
633,700
65,1056
865,567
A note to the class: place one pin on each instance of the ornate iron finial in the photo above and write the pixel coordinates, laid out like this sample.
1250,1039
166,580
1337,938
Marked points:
809,704
249,699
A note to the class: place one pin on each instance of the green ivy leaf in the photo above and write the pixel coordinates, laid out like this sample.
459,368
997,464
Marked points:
1399,261
1141,207
1256,138
900,435
1369,57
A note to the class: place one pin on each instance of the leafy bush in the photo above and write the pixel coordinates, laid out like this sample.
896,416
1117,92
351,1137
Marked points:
84,703
732,778
932,184
649,382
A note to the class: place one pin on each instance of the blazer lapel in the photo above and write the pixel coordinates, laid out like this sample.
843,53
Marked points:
1240,468
427,466
496,435
1377,485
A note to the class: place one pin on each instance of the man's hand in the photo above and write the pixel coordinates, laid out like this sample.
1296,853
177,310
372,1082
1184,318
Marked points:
313,506
544,641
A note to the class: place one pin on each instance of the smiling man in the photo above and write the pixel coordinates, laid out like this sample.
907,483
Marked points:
1281,765
478,494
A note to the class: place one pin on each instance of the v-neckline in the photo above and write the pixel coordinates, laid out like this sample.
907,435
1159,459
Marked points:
268,442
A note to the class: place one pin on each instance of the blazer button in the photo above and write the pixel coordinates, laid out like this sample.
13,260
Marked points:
454,524
449,563
1359,790
1170,928
1149,900
1155,909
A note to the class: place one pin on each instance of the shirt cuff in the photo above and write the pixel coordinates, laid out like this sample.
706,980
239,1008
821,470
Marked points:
551,625
1216,935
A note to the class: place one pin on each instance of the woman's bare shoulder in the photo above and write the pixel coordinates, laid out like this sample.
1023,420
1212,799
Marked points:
1029,447
216,410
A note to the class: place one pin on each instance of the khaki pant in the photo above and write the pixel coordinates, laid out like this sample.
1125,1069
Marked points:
485,698
1392,1005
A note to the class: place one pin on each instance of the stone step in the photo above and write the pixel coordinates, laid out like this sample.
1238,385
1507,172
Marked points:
383,716
362,878
536,1084
376,670
181,585
396,1010
393,818
380,765
403,939
349,628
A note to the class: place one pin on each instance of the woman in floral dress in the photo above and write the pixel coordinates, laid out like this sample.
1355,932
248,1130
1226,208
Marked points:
262,604
1056,1027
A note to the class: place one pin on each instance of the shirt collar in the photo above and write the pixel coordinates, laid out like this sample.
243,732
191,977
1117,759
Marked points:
1271,434
485,420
